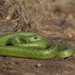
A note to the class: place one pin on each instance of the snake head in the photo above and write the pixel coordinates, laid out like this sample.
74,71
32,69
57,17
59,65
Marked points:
32,38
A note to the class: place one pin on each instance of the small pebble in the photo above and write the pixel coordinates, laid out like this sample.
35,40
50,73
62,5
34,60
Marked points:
38,65
69,35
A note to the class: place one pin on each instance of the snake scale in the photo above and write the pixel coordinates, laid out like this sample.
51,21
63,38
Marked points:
32,45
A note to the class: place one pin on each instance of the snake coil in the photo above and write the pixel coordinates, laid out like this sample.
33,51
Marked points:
32,45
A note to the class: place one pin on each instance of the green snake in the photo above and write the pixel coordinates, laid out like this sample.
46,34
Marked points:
32,45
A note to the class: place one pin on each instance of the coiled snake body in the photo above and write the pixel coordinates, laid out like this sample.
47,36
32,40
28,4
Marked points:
32,45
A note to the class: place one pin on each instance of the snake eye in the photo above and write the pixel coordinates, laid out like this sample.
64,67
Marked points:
37,37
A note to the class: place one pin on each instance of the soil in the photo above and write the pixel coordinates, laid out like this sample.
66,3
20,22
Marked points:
62,29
